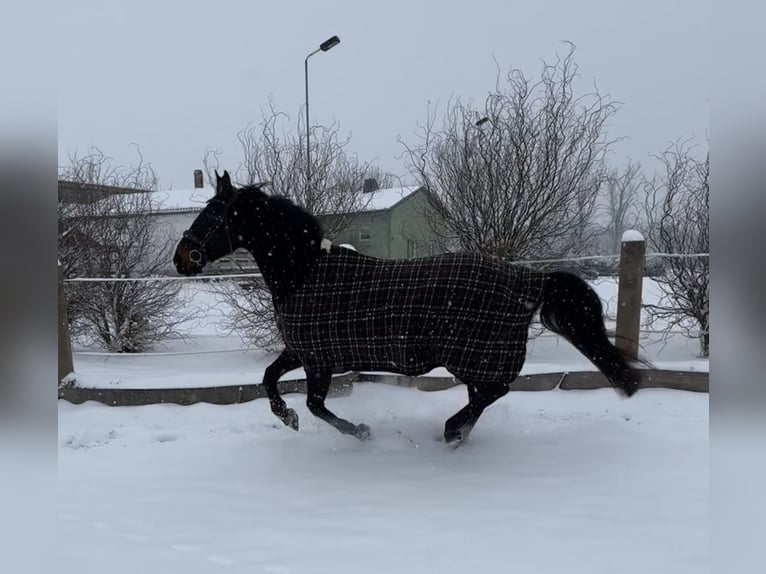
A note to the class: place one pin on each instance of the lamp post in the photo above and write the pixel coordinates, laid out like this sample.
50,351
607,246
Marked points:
331,42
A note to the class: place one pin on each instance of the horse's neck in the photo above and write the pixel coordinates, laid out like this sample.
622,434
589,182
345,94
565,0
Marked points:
284,255
283,271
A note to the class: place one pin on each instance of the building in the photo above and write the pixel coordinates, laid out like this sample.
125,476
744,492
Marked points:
395,223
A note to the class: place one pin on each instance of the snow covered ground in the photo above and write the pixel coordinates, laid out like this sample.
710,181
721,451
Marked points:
549,482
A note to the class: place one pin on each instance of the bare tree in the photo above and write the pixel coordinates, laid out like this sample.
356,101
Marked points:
249,312
87,179
275,153
621,207
107,231
96,168
523,183
678,214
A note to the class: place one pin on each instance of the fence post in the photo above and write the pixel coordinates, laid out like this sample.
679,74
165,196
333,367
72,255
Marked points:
629,292
66,365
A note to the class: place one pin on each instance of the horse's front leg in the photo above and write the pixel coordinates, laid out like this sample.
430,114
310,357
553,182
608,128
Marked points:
318,385
287,361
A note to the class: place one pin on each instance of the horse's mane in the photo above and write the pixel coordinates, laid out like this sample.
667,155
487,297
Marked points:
293,213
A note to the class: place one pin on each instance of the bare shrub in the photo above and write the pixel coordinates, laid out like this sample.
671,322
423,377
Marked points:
678,214
106,230
519,178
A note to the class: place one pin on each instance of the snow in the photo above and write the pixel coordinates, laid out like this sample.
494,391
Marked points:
184,199
551,482
632,235
170,200
195,199
386,198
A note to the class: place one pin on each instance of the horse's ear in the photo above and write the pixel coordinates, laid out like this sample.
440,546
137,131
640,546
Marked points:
224,187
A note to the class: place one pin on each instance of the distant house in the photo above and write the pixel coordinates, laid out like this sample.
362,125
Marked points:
72,192
85,212
395,222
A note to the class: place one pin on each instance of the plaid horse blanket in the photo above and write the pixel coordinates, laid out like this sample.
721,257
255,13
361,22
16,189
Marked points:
467,312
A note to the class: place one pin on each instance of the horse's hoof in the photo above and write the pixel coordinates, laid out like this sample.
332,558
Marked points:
363,432
455,438
290,419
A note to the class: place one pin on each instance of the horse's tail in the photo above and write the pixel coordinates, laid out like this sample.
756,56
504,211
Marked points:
572,309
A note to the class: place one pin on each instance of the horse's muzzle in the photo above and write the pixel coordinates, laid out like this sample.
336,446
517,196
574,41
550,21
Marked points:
189,259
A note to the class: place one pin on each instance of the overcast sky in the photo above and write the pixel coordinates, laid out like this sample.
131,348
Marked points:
180,77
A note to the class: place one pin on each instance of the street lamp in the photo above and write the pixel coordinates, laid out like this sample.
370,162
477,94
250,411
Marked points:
331,42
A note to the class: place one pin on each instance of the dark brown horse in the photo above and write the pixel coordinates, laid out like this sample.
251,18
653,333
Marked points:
338,310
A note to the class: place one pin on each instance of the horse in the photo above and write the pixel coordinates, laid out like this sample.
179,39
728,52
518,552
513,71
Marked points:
339,310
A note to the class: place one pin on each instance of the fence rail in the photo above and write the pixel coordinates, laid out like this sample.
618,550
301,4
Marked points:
342,385
256,275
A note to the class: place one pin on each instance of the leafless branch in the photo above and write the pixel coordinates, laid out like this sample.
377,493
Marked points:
620,206
109,232
250,313
678,215
275,152
524,183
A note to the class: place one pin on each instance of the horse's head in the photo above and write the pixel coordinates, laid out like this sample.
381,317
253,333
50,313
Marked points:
209,237
284,239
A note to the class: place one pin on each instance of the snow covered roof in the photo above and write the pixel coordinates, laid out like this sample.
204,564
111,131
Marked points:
386,198
183,199
195,199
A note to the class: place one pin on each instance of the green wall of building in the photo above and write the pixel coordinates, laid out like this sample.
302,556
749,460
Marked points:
400,232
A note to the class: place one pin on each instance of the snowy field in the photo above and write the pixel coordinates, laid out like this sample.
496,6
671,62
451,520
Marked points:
549,482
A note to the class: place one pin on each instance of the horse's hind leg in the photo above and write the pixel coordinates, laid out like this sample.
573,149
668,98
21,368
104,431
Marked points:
287,361
480,396
318,385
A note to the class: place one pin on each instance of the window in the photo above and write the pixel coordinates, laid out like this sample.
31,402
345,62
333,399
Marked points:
364,234
412,248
